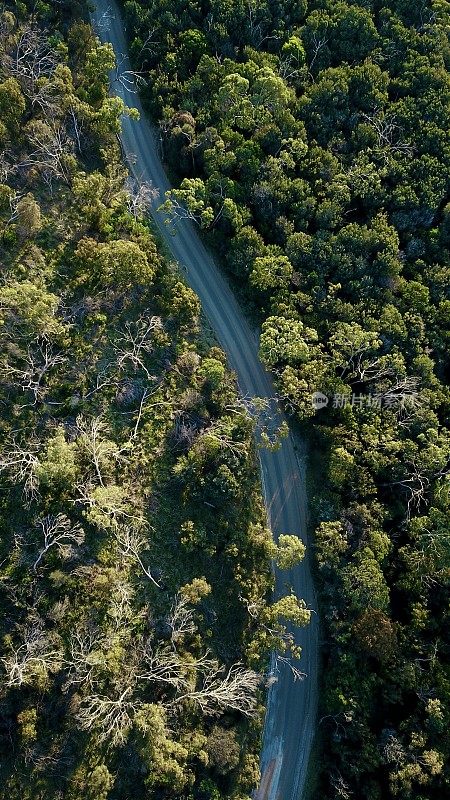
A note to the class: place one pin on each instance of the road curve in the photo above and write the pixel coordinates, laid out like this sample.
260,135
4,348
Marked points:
291,706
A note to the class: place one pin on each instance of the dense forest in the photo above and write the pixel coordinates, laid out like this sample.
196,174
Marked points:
134,551
310,139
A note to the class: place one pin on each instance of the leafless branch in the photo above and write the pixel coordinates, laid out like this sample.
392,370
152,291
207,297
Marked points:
52,146
92,439
233,689
20,462
39,360
131,541
141,196
136,342
58,531
36,654
32,62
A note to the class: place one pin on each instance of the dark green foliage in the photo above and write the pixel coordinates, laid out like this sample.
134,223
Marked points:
313,143
133,539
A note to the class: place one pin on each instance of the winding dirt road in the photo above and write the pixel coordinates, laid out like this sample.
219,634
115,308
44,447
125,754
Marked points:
291,708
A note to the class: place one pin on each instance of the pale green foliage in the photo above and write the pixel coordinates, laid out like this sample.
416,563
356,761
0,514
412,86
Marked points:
165,758
285,340
108,505
270,272
119,263
100,782
352,347
27,725
30,309
331,543
294,51
223,750
213,371
12,106
190,202
364,582
341,466
233,98
196,590
270,91
57,467
289,551
185,305
290,609
28,216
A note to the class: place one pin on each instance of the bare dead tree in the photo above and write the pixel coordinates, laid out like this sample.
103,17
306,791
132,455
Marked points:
355,363
407,386
20,462
416,487
289,68
8,165
103,23
37,363
131,80
225,441
225,689
427,18
270,427
31,60
86,656
132,390
341,788
92,440
163,665
428,559
136,342
176,209
102,379
278,633
14,200
77,127
150,44
256,25
388,133
60,533
318,45
145,395
132,542
48,98
34,655
111,718
297,674
51,148
181,620
220,688
121,610
140,196
339,721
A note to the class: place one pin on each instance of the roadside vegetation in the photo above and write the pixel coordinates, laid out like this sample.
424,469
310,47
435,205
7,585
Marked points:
134,553
311,144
